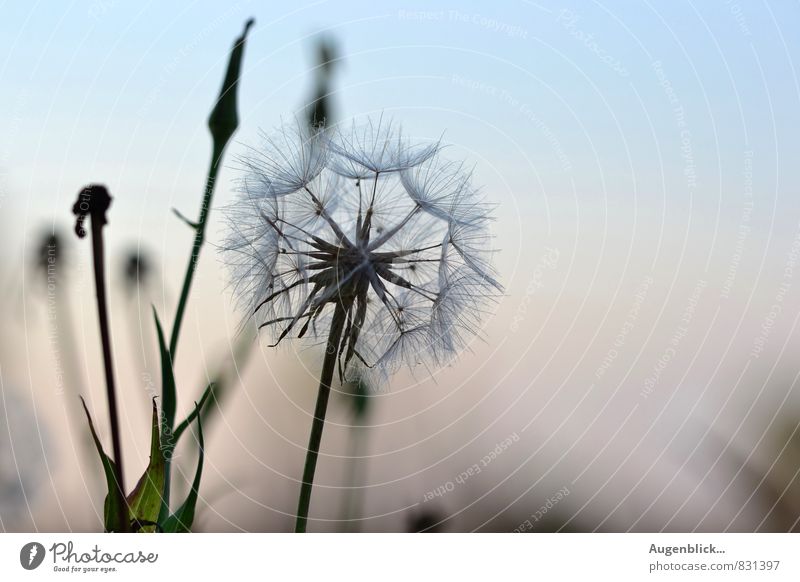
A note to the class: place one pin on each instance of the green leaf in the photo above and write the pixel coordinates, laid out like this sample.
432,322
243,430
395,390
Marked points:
181,521
189,223
110,507
228,375
224,118
145,499
168,405
169,446
168,398
176,434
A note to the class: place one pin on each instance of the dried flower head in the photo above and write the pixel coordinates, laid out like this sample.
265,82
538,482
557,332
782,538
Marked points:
137,270
49,255
361,231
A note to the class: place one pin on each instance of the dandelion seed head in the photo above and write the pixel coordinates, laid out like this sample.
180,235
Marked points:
361,222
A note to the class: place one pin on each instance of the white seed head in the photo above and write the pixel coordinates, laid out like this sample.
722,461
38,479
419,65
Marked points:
389,232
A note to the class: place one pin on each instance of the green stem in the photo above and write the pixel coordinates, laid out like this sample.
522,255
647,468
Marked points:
199,239
191,267
222,124
353,492
325,380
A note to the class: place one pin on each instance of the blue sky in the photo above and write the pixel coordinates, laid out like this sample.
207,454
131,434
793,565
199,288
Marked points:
94,89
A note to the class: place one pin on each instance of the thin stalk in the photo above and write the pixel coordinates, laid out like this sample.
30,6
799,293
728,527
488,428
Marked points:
222,123
199,239
325,380
191,267
93,201
351,511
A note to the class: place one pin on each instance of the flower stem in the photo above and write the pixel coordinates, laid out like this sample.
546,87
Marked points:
199,238
325,380
191,267
353,492
222,123
93,201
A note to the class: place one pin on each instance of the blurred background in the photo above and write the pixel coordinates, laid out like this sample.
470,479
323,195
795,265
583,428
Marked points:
641,371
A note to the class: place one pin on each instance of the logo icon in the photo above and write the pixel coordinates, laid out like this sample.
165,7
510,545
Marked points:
31,555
